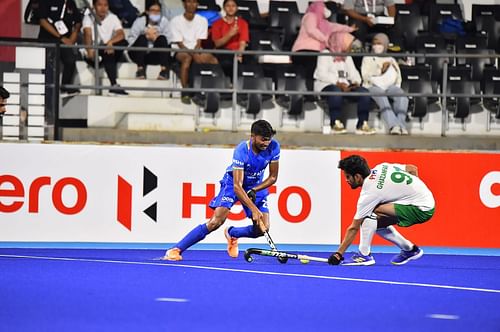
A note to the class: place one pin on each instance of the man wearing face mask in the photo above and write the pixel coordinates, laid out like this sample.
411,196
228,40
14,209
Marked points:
150,30
381,74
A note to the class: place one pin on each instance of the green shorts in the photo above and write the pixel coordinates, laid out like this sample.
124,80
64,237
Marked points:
410,215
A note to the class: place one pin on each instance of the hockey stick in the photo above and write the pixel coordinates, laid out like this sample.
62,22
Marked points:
274,253
281,259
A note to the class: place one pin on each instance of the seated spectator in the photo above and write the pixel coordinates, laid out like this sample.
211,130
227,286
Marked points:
382,75
230,33
339,74
61,21
363,12
4,95
188,30
110,33
313,36
150,30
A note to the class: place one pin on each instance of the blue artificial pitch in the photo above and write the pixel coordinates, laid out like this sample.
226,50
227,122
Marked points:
130,290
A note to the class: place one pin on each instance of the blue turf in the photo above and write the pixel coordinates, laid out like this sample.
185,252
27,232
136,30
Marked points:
56,295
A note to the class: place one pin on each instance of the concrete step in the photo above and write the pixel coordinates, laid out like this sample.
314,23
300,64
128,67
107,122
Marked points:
157,122
108,111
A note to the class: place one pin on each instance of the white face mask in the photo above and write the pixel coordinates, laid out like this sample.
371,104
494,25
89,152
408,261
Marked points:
378,48
327,13
155,18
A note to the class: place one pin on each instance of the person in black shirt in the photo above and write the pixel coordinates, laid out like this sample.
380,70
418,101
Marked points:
60,20
4,95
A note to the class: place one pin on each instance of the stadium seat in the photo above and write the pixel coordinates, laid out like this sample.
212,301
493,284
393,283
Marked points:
474,44
249,10
208,5
432,43
459,82
408,23
251,77
417,79
439,12
284,17
208,76
484,13
491,86
290,78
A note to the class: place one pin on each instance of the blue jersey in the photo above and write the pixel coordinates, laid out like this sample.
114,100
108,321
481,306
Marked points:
252,164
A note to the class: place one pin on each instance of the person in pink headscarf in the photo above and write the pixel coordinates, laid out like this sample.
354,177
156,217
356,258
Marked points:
338,73
313,36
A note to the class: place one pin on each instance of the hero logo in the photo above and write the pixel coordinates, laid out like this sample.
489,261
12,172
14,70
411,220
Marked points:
188,200
12,187
124,201
487,194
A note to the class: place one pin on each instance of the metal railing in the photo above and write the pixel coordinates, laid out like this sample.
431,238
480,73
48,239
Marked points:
234,90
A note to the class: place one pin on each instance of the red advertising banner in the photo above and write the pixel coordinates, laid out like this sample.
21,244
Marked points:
466,187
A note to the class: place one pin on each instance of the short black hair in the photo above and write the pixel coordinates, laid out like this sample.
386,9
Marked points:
226,1
355,164
262,128
4,94
150,3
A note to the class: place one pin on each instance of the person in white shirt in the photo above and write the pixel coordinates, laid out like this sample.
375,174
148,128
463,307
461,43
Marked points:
339,74
150,30
188,30
391,194
110,33
382,75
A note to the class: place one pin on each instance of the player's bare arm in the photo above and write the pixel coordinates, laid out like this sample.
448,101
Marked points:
412,169
350,234
271,179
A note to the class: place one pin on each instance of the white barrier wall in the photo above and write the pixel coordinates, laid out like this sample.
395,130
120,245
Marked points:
92,193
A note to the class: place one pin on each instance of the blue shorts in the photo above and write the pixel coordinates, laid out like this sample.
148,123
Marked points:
227,198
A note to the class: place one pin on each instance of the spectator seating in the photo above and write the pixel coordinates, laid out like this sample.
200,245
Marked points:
417,79
251,77
292,78
284,16
249,10
409,23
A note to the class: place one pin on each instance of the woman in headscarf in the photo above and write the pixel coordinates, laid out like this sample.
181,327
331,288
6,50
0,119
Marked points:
338,73
381,74
313,36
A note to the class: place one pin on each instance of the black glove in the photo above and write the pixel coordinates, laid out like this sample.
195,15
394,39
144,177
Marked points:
335,258
252,195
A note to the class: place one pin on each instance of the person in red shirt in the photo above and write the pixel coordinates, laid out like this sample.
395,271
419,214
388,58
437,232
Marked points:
230,33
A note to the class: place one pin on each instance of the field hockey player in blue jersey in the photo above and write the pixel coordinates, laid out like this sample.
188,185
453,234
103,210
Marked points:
243,181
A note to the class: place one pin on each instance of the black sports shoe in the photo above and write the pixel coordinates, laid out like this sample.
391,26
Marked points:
140,73
116,90
164,74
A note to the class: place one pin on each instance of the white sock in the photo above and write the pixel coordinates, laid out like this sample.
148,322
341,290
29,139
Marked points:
392,235
368,228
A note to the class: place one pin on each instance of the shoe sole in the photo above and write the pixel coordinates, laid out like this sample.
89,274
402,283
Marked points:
228,238
367,263
412,258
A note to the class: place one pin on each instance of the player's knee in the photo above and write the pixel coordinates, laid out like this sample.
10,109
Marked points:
214,223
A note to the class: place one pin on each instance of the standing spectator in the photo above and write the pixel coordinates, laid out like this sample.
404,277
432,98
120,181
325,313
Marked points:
362,13
339,74
188,30
4,95
230,33
382,75
150,30
61,21
313,36
110,33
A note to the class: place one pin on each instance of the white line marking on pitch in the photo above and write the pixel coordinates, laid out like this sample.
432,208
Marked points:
375,281
442,316
171,299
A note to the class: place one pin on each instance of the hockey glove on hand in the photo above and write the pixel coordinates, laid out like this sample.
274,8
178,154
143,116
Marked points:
252,195
335,259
